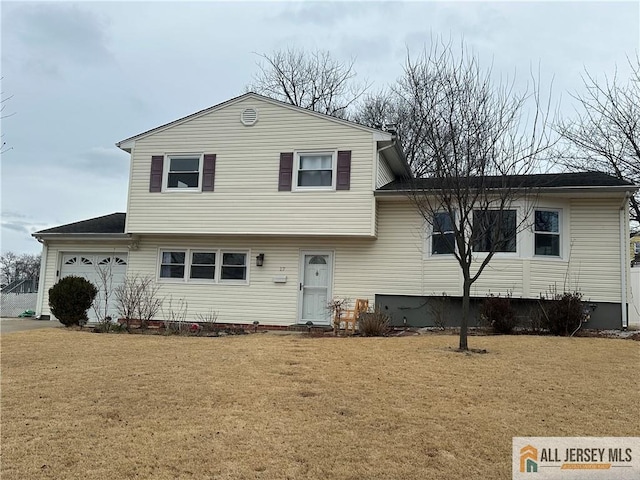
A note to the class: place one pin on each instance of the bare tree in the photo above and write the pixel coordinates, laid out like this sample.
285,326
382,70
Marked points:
605,135
104,285
388,110
19,267
481,147
4,114
311,80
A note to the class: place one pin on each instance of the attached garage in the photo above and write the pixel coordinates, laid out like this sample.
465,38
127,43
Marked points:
94,267
89,249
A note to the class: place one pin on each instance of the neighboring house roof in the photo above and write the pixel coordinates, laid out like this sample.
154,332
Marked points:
547,181
106,224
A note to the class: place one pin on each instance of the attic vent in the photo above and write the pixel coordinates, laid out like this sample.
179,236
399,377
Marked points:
249,116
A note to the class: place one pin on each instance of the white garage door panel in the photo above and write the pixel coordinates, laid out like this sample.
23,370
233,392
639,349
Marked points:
89,265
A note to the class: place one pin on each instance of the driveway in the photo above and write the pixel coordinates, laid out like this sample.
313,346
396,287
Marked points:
8,325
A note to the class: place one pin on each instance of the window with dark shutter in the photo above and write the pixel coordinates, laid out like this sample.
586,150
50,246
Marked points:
343,174
286,172
208,172
155,181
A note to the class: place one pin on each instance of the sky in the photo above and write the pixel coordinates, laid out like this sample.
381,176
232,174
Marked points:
77,77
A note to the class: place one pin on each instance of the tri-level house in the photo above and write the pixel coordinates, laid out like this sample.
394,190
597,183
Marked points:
263,211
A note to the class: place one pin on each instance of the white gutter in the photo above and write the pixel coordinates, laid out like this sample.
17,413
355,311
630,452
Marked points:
624,264
43,272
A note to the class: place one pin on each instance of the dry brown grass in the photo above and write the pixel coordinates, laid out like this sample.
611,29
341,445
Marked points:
78,405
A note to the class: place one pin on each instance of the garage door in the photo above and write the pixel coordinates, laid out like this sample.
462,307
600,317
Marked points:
90,266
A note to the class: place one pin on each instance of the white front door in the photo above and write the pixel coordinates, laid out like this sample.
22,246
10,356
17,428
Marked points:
315,287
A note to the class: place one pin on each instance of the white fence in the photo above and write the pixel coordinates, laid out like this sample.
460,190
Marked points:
634,301
13,304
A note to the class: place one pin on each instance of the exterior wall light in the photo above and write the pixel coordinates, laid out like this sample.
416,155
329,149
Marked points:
260,260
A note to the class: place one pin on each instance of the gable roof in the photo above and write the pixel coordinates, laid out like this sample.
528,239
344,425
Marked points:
544,181
127,142
106,224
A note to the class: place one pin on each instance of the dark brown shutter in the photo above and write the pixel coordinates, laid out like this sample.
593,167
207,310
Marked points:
343,179
155,181
208,172
286,172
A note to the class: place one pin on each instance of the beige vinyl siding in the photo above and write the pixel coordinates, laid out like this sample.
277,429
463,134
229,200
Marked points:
363,267
54,256
246,199
394,263
548,277
594,265
385,175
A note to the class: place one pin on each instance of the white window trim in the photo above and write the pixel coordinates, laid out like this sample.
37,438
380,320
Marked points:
519,239
202,280
165,172
296,166
246,266
430,241
560,234
218,267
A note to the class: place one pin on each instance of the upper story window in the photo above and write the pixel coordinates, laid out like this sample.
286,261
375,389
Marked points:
494,231
315,170
183,172
442,236
546,228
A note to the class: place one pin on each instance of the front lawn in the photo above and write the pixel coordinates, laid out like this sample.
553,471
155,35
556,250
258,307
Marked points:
268,406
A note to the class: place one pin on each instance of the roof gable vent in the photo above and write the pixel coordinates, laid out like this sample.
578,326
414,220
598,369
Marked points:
249,117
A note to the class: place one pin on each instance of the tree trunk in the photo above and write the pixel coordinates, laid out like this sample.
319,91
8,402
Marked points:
464,322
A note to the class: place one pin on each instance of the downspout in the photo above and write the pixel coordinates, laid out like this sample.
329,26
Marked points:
43,272
624,264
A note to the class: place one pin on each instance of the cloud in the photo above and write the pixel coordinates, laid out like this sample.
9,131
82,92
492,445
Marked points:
21,223
101,161
329,14
51,37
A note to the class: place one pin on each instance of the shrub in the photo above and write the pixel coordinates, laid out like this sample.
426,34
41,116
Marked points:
439,308
563,313
373,324
498,313
70,298
137,298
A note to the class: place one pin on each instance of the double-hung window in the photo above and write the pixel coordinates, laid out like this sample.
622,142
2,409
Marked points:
442,236
184,172
315,171
204,265
546,227
494,231
172,264
234,266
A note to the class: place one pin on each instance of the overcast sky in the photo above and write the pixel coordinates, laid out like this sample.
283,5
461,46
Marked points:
83,76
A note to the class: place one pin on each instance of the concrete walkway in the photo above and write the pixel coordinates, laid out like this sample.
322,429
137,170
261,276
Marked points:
9,325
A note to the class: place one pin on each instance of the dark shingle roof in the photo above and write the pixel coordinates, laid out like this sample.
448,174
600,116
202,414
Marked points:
541,181
112,223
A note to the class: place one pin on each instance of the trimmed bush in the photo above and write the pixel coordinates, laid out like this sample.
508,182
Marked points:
373,324
498,313
70,298
564,313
